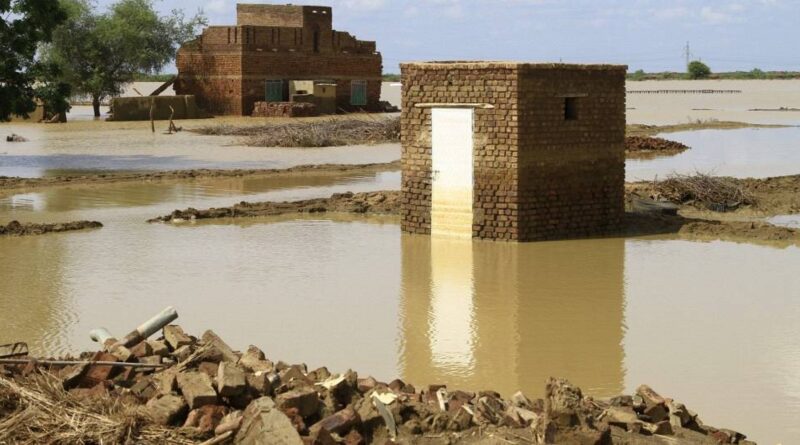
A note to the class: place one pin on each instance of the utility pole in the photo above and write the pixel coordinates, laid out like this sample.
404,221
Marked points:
688,54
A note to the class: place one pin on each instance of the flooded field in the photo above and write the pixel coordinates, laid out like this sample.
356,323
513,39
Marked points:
353,292
711,323
86,146
744,153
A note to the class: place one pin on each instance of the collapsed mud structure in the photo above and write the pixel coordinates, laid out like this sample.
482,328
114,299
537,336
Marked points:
280,54
181,389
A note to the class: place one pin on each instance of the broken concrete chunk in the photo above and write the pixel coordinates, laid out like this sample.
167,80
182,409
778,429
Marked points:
462,419
166,410
206,419
367,384
98,373
258,384
197,389
175,337
159,347
650,397
294,372
338,423
254,360
72,375
521,401
143,349
656,413
305,400
264,423
183,353
230,380
210,338
144,389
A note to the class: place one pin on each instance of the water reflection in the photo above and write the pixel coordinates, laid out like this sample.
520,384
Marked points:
510,316
32,301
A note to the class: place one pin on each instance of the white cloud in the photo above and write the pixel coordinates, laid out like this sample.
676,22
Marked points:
369,5
715,17
216,6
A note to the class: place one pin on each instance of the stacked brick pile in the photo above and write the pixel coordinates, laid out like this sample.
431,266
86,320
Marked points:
284,109
206,390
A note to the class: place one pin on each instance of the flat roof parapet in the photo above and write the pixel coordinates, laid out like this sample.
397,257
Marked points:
473,65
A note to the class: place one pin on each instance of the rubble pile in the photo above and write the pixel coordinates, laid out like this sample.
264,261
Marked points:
652,145
15,228
383,202
193,390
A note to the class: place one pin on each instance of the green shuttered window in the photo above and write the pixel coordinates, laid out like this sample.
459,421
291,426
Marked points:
358,93
274,91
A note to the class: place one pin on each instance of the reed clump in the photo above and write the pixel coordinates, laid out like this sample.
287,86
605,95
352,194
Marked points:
712,192
37,410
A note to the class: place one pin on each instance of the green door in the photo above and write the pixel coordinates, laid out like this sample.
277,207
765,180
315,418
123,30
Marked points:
274,91
358,93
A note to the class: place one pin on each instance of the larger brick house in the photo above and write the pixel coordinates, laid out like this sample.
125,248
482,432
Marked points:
273,52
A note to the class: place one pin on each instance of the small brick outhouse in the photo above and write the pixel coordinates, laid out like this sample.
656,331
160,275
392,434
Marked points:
513,151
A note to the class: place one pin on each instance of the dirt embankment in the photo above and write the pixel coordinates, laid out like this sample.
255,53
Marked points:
385,203
16,183
644,147
15,228
388,203
652,130
180,389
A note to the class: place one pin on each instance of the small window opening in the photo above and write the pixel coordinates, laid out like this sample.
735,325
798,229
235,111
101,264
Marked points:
570,108
316,41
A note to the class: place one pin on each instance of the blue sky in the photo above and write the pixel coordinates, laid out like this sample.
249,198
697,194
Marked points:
646,34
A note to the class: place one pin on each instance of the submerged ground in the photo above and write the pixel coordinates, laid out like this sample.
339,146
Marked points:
713,322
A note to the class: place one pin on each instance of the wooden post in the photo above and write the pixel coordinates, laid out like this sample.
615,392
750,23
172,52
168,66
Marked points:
152,114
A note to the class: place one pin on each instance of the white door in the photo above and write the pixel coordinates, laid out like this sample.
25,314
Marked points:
451,200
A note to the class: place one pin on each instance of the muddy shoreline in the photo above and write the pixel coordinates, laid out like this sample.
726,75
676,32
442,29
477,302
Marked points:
653,130
15,228
13,184
692,223
182,389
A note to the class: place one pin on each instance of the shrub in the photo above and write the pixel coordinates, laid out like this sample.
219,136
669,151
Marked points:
698,70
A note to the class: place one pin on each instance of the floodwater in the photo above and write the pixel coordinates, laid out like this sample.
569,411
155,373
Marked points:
353,292
91,146
744,153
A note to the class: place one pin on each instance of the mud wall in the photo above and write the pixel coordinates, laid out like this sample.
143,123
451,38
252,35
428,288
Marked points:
536,175
138,108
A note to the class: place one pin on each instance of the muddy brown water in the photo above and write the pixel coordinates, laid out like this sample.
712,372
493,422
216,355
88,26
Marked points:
713,324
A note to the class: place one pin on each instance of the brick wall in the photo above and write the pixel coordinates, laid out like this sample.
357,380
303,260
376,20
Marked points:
572,172
226,67
536,176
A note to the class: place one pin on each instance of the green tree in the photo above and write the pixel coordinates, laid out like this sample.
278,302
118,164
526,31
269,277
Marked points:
24,24
99,53
698,70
